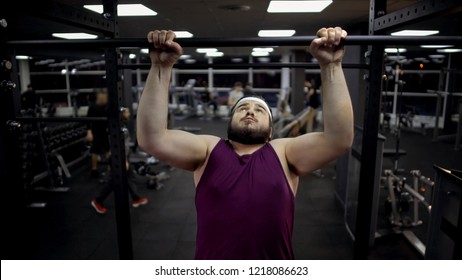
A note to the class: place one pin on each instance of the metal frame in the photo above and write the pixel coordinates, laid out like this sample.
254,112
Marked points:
377,13
118,159
419,11
67,14
10,162
369,140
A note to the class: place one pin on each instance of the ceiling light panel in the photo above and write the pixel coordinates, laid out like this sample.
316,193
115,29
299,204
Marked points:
298,6
237,60
78,35
263,49
449,50
214,54
22,57
260,53
183,34
125,10
436,46
395,50
415,33
276,33
206,50
436,56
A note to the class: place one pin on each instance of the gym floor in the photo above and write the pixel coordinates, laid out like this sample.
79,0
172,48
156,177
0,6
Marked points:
69,228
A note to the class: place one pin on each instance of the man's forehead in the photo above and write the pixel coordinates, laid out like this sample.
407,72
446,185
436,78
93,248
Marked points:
250,102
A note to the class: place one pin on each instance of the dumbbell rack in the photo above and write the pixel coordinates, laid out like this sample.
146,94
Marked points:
44,146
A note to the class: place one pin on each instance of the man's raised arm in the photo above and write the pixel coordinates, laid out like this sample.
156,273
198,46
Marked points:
311,151
177,148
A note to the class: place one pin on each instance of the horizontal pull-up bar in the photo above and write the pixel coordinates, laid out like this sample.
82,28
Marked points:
241,42
272,65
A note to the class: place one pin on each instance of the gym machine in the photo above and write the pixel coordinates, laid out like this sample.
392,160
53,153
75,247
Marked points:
402,204
446,90
444,240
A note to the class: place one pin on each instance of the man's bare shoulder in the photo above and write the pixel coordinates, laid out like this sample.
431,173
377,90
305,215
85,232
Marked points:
210,140
280,143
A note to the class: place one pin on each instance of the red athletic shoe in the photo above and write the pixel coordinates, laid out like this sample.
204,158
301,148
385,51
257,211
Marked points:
98,207
141,201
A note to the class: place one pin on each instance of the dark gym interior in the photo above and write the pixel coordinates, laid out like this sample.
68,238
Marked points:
396,194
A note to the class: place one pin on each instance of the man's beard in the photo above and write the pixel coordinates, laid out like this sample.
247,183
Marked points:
248,136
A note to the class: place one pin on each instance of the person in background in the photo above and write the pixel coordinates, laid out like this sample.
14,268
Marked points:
205,95
235,94
208,98
97,132
98,202
29,98
248,90
313,101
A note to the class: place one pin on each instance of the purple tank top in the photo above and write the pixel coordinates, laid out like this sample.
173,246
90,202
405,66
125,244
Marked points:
245,207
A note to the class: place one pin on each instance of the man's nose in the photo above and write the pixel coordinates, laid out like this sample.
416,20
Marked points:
251,112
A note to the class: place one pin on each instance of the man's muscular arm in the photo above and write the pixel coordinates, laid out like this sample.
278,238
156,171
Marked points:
311,151
177,148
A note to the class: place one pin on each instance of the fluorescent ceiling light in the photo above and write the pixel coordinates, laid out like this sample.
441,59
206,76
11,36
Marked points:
44,62
396,57
449,50
260,53
190,61
96,8
183,34
185,56
264,59
206,50
144,50
415,33
437,56
125,10
297,6
395,50
262,49
22,57
214,54
79,35
276,33
237,60
436,46
132,56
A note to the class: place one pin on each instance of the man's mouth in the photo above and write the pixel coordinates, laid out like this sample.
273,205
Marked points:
250,119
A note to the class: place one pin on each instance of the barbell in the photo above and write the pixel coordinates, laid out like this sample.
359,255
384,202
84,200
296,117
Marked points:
384,40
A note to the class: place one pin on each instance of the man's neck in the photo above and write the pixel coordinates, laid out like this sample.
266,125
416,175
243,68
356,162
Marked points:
245,149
